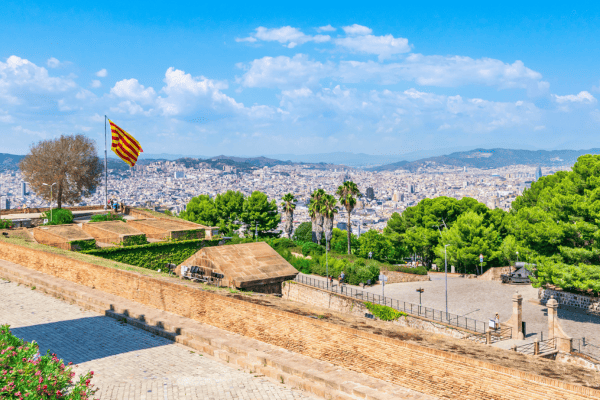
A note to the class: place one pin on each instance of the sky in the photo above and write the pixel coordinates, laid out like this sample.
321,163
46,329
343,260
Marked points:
250,79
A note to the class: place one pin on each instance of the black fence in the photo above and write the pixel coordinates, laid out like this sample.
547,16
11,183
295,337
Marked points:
585,347
410,308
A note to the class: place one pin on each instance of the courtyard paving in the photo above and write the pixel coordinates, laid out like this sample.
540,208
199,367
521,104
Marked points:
128,363
480,300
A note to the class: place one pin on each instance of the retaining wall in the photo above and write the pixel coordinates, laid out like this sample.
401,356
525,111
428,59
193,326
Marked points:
423,369
589,303
399,277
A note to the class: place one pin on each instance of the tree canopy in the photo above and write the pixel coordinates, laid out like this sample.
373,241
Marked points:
259,214
71,163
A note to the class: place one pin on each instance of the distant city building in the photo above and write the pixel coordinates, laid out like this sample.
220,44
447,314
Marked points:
411,188
23,189
4,203
538,173
342,226
179,174
346,177
396,196
370,193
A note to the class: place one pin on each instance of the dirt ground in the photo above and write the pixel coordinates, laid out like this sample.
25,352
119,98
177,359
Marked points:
522,362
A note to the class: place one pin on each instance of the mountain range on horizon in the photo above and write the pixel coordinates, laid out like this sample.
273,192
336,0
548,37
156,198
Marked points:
472,158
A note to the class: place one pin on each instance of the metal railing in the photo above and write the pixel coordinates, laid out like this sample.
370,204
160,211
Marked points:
585,347
410,308
535,348
492,336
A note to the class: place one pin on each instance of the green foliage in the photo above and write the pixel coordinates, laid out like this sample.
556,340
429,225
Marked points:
83,245
59,216
201,210
22,377
230,206
573,278
421,270
259,214
6,223
107,217
135,240
384,313
311,248
339,242
168,212
348,193
376,244
153,256
303,232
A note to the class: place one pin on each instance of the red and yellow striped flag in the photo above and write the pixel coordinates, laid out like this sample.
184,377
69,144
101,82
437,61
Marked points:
124,145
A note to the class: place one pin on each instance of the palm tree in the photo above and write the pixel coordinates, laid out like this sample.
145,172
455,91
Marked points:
328,209
348,192
316,217
288,202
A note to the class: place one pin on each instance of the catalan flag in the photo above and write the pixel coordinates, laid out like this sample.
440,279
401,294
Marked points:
124,145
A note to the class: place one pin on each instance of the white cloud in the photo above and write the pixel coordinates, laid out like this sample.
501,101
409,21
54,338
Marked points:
326,28
96,83
102,73
583,97
131,89
383,46
539,128
53,62
284,71
356,29
446,71
18,75
287,35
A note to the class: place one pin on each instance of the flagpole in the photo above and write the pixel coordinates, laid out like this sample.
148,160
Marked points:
105,168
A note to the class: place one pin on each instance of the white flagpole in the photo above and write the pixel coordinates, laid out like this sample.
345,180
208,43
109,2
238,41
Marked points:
105,168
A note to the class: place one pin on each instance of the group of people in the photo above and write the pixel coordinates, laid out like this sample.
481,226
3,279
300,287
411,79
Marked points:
340,278
116,206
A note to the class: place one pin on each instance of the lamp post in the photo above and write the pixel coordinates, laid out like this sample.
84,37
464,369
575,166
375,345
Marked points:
517,260
446,275
45,184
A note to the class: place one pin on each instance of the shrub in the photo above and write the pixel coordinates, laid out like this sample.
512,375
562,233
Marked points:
24,374
135,240
303,232
59,216
310,248
154,255
384,313
83,245
421,270
107,217
5,223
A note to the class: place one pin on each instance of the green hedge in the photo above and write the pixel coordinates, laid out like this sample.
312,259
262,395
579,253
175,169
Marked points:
154,255
384,313
83,245
135,240
408,270
107,217
5,223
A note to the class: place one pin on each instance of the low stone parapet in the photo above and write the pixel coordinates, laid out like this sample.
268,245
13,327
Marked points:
586,302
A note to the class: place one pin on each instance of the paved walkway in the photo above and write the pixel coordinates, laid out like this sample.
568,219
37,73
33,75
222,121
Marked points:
480,300
128,363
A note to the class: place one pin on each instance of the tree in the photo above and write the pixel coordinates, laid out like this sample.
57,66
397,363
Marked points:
339,241
328,211
288,203
229,206
468,238
259,214
303,232
314,210
69,161
375,243
348,192
201,210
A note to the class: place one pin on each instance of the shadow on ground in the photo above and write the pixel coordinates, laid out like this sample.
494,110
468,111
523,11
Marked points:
86,339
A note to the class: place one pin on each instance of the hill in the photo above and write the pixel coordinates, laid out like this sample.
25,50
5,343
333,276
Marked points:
493,158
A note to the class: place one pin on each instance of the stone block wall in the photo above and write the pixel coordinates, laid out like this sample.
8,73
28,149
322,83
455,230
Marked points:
423,369
399,277
589,303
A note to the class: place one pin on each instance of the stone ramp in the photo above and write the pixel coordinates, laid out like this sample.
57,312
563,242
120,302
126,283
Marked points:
317,377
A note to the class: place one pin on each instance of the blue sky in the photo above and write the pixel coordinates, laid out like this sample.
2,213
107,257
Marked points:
309,77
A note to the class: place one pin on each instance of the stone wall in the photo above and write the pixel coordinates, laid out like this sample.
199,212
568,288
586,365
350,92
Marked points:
399,277
426,370
348,305
589,303
44,209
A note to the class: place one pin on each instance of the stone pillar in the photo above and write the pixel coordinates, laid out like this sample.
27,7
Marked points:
452,269
564,342
552,316
516,320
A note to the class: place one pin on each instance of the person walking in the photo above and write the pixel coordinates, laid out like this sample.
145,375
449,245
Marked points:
497,321
342,277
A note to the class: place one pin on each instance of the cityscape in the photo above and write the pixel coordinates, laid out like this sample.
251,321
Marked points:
169,185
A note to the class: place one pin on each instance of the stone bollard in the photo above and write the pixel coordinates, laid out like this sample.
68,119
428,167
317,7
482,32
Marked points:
564,342
516,320
488,337
452,269
536,347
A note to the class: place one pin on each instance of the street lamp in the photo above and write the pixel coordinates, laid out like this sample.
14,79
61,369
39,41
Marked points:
446,275
517,260
45,184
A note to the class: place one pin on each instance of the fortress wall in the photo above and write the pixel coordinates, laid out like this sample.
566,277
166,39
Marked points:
423,369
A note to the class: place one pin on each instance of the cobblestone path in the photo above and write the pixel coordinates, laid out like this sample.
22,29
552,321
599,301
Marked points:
128,363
